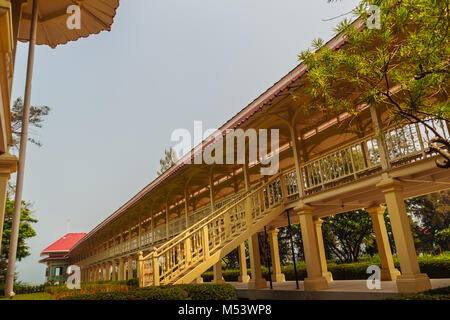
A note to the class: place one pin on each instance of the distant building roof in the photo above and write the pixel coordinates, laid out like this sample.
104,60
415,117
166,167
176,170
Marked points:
64,244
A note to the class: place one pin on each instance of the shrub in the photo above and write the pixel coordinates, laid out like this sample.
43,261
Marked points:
133,282
221,291
20,288
61,291
150,293
173,292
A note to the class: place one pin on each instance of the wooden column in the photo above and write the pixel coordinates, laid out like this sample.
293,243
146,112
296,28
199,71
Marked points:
377,128
315,280
257,281
388,270
186,207
243,276
411,279
108,270
167,219
139,243
277,276
152,227
217,271
130,267
294,142
211,190
121,272
114,274
323,259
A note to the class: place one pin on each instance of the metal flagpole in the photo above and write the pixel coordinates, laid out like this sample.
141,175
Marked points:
292,249
9,290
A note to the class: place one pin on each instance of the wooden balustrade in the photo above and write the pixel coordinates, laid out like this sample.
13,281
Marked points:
196,244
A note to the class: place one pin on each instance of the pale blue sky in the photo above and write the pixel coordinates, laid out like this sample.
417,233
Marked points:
116,97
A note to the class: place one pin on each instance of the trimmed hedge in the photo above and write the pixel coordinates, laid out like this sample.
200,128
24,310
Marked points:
175,292
133,282
23,289
61,291
435,266
210,291
433,294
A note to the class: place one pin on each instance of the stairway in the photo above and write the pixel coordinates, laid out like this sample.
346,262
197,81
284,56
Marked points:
185,257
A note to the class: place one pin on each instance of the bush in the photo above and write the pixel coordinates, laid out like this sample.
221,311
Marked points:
133,282
61,291
20,288
173,292
210,291
150,293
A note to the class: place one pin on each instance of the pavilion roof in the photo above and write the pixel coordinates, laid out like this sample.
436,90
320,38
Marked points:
64,244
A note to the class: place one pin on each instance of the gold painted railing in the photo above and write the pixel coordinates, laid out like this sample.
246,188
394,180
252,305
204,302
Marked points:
361,158
168,263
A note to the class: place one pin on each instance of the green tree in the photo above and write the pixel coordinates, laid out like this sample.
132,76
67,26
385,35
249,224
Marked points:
284,244
433,214
403,65
345,234
37,116
170,158
26,231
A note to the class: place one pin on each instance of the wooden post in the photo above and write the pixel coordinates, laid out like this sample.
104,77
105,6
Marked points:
155,269
205,243
211,190
315,280
388,270
152,226
167,219
186,207
298,171
377,128
243,276
277,276
257,281
139,234
188,251
130,267
140,269
323,259
411,280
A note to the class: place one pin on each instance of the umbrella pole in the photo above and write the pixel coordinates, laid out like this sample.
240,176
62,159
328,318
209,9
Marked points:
9,288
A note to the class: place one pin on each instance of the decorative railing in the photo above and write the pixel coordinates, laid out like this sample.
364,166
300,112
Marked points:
196,244
404,145
199,214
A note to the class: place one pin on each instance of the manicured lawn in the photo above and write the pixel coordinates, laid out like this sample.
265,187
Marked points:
32,296
434,294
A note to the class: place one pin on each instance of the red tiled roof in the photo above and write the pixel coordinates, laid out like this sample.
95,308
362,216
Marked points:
65,243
